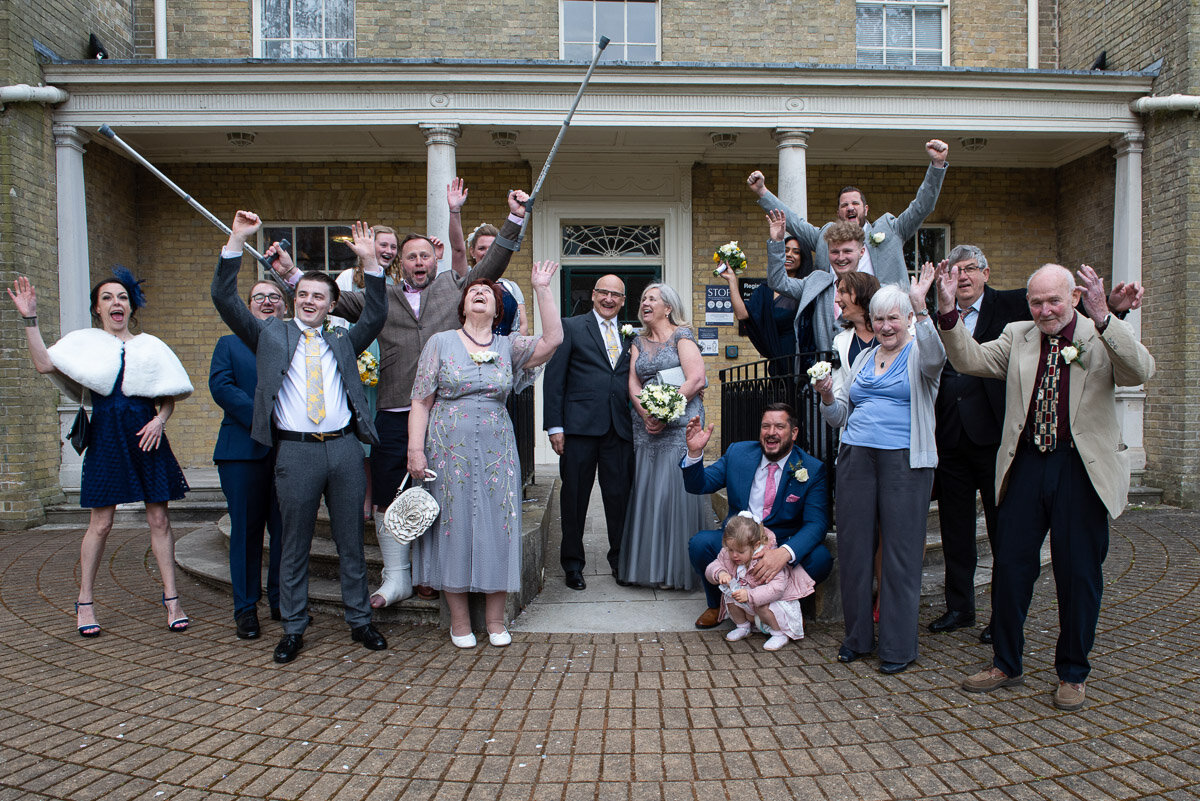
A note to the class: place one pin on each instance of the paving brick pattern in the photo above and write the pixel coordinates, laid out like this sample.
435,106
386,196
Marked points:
142,713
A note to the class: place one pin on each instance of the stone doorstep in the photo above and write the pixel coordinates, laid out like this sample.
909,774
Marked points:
204,554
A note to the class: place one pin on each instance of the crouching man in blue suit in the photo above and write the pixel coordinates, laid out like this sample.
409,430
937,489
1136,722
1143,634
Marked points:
777,482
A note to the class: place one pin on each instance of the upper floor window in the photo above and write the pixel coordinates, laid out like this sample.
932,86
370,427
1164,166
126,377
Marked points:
630,25
304,28
902,33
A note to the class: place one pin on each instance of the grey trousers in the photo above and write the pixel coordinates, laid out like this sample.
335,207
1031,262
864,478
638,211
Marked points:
304,471
878,488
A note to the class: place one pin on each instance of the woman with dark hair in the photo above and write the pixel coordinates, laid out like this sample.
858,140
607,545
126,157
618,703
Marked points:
459,429
852,294
768,317
133,381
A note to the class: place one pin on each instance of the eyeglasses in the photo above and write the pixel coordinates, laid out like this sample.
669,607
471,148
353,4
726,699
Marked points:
969,269
609,293
259,297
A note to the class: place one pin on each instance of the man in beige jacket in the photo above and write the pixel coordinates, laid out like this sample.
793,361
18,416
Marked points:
1059,466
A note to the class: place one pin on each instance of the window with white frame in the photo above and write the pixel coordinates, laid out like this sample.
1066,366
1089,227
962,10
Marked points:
314,246
304,28
902,33
630,25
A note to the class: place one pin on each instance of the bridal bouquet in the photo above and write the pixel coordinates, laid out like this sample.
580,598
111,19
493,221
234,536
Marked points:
663,402
368,368
729,255
818,371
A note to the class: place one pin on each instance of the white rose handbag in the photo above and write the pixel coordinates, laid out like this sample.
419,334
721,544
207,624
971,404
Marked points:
412,512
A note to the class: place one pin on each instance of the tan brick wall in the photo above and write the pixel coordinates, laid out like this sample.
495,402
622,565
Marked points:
177,248
757,30
988,33
1084,209
199,29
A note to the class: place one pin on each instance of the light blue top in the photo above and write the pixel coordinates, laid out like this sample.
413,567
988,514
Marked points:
882,406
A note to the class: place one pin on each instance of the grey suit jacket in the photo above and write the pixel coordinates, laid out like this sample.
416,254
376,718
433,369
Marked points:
404,334
887,257
1106,361
274,342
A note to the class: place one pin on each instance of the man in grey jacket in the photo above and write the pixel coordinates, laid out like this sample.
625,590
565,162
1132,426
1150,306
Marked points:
885,237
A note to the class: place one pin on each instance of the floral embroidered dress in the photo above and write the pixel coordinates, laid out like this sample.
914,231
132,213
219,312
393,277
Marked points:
475,543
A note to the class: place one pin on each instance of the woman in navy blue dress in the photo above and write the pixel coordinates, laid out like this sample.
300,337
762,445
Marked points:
133,381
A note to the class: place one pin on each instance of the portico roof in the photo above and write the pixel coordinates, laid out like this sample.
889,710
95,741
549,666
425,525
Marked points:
355,110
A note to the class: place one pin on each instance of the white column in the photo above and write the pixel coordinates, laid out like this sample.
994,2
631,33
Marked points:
1127,266
440,141
793,170
74,272
160,29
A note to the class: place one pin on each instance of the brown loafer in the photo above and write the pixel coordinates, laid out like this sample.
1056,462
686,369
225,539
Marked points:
1069,697
991,679
426,593
709,619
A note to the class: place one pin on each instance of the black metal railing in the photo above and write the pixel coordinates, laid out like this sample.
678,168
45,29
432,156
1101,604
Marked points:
520,410
747,389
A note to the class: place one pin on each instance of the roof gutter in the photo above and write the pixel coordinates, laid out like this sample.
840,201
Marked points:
1151,104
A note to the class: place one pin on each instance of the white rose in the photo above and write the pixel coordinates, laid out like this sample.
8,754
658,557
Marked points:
878,237
819,371
1070,353
801,475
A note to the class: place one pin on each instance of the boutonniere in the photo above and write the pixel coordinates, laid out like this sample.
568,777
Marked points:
1071,353
878,237
800,474
627,330
484,356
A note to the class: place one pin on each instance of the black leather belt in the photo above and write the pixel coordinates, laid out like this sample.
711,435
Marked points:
305,436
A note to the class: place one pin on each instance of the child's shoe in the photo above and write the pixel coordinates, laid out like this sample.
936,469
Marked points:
740,632
776,641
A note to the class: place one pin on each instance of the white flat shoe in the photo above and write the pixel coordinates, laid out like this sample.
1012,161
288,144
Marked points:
465,641
738,633
776,642
501,639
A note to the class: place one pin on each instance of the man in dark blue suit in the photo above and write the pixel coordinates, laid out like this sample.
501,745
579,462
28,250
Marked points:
778,483
246,469
586,414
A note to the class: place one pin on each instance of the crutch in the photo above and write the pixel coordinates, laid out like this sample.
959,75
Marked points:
195,204
603,43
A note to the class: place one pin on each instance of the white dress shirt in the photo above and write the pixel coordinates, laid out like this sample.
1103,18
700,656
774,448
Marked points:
291,406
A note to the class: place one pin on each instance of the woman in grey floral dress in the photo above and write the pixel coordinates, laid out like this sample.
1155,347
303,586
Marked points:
459,429
661,515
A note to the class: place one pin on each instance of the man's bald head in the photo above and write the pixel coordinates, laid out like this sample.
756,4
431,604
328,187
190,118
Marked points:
608,296
1052,297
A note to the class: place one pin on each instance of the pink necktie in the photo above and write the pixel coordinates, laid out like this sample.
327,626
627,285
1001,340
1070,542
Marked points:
772,488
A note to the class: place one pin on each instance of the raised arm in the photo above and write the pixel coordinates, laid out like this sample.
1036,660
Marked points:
909,220
495,261
224,284
456,196
374,308
777,277
552,329
25,299
807,233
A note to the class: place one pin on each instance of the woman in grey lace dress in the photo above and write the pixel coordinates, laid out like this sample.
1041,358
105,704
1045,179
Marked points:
661,515
460,429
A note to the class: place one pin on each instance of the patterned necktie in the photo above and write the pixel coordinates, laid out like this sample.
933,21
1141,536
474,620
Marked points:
962,313
1045,414
610,339
315,383
772,488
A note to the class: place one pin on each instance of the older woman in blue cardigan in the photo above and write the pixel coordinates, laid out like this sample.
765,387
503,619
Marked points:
885,471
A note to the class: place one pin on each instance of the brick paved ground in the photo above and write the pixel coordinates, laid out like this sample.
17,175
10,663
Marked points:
142,713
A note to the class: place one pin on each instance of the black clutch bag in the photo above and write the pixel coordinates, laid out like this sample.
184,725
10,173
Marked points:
80,431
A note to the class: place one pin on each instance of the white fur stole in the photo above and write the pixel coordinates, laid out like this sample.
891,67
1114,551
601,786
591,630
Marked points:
92,358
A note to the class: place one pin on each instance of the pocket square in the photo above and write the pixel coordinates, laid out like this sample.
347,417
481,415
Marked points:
791,499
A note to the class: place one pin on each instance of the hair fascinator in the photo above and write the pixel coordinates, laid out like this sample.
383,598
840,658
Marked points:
749,514
137,298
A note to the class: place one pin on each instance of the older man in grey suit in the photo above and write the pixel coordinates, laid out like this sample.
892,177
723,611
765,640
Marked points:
885,237
309,399
424,303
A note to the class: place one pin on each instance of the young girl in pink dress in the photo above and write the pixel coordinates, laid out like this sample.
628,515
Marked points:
775,604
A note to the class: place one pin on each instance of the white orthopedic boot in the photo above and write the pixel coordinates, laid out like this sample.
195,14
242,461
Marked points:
397,570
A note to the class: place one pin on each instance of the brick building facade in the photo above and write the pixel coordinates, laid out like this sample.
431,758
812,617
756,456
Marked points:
479,90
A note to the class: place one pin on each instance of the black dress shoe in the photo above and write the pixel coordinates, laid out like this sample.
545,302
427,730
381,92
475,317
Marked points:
288,647
985,636
620,581
845,655
276,614
247,625
952,620
891,668
575,580
369,637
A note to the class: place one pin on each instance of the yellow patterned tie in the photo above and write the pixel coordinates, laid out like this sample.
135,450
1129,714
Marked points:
610,338
312,368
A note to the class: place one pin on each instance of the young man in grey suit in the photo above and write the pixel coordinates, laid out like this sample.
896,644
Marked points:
885,237
586,413
309,399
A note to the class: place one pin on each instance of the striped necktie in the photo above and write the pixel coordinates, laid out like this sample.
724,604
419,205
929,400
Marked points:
315,394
